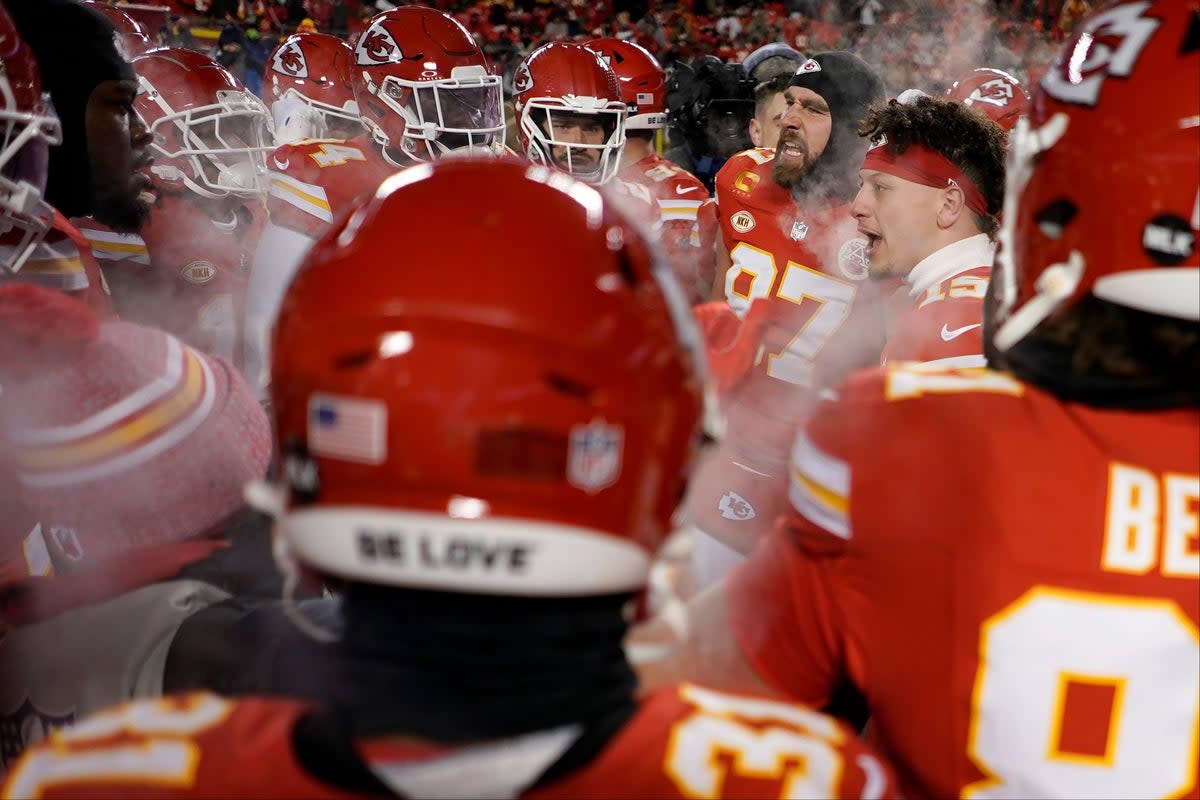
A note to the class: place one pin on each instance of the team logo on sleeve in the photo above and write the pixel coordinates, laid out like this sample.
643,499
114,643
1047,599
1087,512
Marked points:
594,455
377,46
735,507
289,60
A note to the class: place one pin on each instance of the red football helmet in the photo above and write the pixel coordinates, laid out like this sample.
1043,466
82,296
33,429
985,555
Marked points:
1103,193
211,135
997,94
132,37
559,88
643,83
424,87
28,128
309,79
473,437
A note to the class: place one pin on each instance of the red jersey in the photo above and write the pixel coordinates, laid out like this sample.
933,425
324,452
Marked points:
679,195
685,741
314,180
821,320
64,261
943,322
186,272
1010,579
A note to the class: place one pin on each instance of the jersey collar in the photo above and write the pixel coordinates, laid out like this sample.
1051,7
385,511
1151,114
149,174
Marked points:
965,254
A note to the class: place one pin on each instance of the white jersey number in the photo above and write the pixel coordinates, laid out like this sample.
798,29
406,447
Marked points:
1053,654
800,285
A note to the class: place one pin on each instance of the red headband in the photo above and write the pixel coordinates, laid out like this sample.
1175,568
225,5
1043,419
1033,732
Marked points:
927,167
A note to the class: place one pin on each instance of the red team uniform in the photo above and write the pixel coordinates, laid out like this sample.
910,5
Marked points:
313,181
943,321
682,742
679,195
1058,651
821,321
186,272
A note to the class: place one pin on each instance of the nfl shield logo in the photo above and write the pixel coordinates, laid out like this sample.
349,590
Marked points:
799,231
594,455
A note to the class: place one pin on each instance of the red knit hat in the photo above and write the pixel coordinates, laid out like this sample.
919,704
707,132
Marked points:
119,437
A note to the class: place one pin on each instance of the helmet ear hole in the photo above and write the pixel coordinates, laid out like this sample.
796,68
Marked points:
1053,218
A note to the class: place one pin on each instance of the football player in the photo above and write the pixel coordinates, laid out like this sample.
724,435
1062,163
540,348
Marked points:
932,185
995,93
37,245
569,111
790,248
487,473
424,90
310,87
211,136
678,193
1005,562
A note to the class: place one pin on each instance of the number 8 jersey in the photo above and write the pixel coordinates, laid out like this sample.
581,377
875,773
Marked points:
1010,579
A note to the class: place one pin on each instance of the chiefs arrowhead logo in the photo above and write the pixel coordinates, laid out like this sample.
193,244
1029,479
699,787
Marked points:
808,66
522,80
289,60
995,92
376,47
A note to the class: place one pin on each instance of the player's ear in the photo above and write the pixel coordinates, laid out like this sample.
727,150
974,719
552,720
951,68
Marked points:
755,132
952,204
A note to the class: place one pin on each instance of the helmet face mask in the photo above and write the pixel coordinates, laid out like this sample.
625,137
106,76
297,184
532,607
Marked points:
585,144
462,112
28,128
310,86
424,87
210,134
224,144
569,111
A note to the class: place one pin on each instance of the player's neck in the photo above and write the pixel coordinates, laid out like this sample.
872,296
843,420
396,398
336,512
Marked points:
453,668
635,150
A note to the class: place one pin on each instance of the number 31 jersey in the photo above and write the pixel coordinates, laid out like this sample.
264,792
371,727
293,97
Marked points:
1011,580
684,741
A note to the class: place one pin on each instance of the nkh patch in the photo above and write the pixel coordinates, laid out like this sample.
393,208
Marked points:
594,455
347,428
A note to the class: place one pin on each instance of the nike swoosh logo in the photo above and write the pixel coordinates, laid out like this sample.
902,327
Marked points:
682,190
948,334
281,164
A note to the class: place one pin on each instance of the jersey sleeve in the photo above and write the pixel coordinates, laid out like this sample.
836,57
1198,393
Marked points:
309,183
786,602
